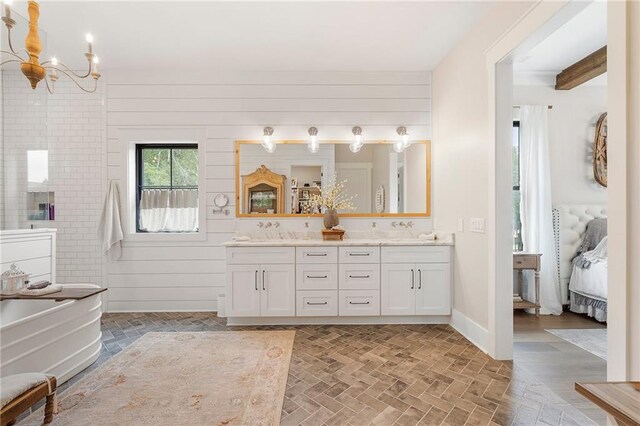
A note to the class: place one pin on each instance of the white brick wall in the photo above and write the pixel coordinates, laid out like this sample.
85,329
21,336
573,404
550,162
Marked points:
71,124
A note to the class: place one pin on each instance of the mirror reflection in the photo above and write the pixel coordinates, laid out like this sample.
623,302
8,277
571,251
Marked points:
381,180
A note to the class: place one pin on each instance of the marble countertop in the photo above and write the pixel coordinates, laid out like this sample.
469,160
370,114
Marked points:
346,242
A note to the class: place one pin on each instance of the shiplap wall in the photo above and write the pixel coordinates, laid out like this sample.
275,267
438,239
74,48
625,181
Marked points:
230,106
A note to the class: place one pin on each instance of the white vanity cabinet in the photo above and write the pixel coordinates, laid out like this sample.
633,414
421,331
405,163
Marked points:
261,289
409,288
338,282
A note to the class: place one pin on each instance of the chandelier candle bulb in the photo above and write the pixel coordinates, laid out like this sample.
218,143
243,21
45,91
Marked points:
7,9
89,39
54,74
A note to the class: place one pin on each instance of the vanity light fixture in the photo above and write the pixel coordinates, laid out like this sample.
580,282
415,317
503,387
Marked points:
29,57
404,142
267,143
314,145
357,143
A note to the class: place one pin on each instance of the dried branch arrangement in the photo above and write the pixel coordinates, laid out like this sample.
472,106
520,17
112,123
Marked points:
333,196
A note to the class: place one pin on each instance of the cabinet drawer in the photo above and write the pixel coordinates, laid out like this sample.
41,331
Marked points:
253,255
317,303
317,277
416,254
359,254
359,276
317,254
525,262
359,302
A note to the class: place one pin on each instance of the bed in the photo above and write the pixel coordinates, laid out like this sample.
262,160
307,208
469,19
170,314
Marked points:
584,290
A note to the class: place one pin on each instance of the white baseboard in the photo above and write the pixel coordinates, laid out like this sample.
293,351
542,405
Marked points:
470,329
367,320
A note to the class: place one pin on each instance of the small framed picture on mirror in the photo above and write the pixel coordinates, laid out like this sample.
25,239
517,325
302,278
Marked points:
305,194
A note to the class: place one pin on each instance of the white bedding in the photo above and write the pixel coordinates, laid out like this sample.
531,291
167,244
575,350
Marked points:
592,282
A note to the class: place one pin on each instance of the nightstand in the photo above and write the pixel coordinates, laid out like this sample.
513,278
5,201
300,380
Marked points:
521,262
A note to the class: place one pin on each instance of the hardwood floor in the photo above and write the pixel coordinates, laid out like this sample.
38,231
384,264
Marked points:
381,375
555,362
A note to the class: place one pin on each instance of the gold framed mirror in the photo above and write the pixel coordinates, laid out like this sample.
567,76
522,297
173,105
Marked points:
282,183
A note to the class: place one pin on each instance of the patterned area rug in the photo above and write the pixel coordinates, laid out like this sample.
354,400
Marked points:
593,340
221,378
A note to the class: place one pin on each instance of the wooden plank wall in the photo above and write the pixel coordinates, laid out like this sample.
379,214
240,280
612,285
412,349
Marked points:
154,276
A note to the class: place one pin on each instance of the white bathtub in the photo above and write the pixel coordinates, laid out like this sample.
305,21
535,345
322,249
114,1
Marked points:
59,338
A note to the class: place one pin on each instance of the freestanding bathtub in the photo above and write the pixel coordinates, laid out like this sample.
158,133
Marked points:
59,338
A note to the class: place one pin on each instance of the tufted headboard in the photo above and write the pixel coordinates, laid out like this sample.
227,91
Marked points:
569,224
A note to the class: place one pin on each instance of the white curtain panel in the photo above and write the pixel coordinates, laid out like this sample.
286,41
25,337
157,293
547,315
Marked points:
165,210
535,205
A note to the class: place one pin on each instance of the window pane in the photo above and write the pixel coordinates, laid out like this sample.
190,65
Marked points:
156,167
185,167
517,224
515,156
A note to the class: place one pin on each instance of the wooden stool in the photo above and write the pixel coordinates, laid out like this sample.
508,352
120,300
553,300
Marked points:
29,398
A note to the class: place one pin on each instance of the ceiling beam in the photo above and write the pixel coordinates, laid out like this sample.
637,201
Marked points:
582,71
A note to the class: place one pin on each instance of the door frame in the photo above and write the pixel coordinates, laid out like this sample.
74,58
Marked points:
542,19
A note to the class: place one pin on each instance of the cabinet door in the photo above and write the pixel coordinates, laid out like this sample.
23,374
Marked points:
398,294
433,289
278,290
243,290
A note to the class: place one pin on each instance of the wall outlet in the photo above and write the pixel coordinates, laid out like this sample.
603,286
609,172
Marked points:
477,224
460,225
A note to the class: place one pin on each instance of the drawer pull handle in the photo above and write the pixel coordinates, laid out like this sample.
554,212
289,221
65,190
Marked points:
263,287
359,254
419,279
359,276
319,303
317,276
359,303
315,254
256,280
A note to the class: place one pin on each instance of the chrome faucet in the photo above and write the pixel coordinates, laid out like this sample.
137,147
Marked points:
402,224
268,224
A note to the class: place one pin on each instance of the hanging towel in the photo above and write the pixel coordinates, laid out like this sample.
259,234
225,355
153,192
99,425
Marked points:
110,229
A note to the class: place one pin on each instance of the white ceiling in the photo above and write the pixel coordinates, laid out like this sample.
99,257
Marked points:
255,36
580,36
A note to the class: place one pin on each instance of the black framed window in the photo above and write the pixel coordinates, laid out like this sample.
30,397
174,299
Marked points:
515,164
166,187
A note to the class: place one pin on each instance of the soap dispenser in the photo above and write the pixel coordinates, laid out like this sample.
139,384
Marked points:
307,236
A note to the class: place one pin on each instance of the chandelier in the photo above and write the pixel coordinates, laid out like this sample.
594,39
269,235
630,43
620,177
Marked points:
29,57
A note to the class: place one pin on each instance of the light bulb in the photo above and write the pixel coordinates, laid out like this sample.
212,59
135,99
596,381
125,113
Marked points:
54,61
270,148
95,60
314,145
355,147
398,146
357,143
89,38
404,137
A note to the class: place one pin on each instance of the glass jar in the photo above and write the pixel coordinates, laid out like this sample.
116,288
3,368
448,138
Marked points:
12,281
